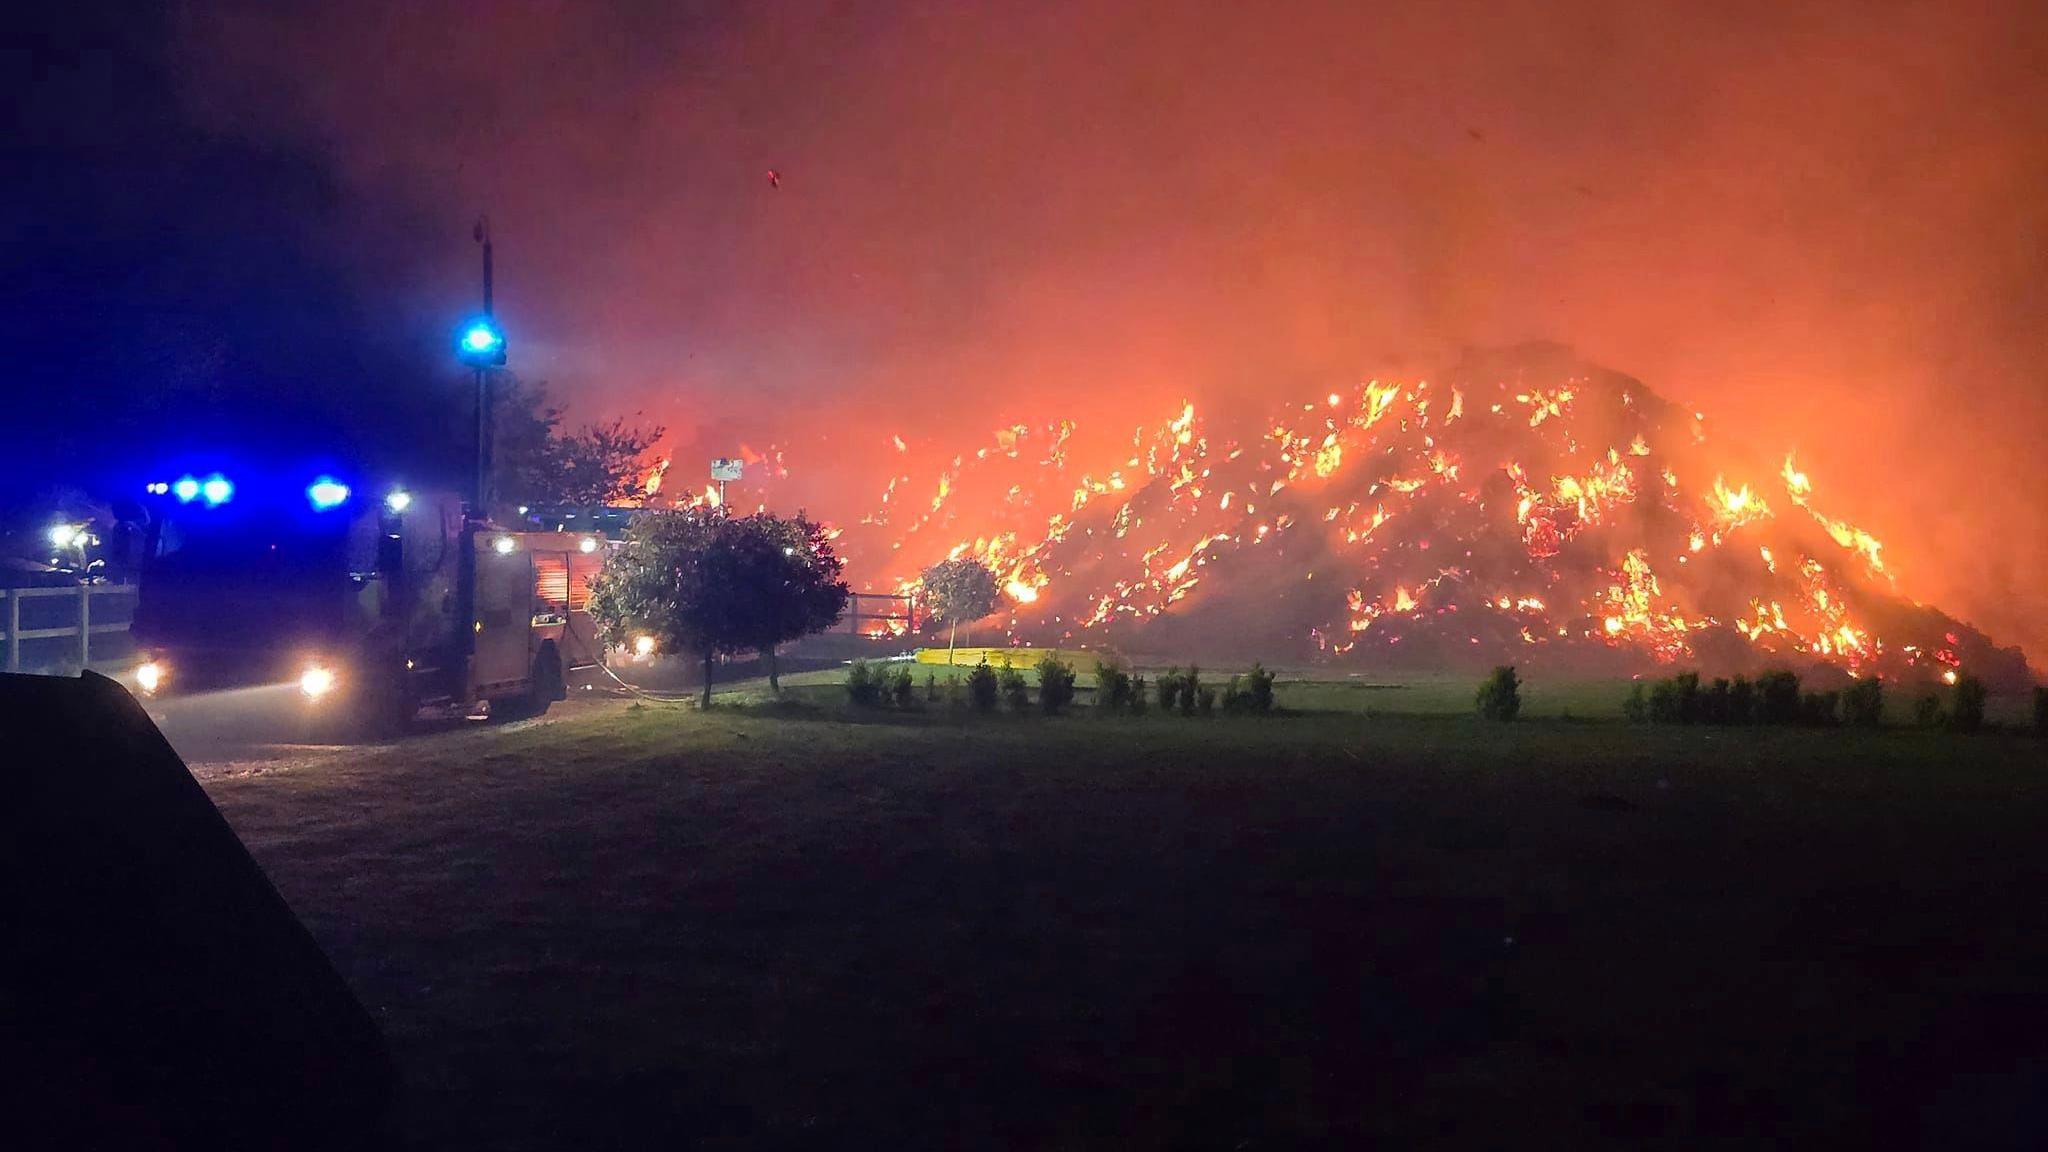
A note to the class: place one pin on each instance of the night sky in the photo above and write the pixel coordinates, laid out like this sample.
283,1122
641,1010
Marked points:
1825,225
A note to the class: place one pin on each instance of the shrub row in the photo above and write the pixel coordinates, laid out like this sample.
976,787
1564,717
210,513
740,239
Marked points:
1117,690
1246,694
1776,698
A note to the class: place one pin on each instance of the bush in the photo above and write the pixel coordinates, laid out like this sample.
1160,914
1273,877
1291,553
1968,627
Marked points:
1664,707
1966,704
1205,701
2041,711
1777,697
1500,697
1234,697
1691,705
1741,701
1927,711
1190,687
1055,683
931,688
1637,706
1169,689
864,685
981,687
1863,703
1137,695
1015,689
903,688
1714,702
1112,686
1258,690
1817,709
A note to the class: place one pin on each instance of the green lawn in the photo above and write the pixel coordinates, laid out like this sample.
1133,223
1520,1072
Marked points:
794,925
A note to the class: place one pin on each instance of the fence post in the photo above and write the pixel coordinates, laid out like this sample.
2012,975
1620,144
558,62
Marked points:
13,630
84,626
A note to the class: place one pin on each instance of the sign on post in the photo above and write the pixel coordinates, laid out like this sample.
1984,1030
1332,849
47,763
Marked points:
724,468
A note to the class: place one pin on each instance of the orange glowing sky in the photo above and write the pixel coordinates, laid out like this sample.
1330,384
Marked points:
1826,225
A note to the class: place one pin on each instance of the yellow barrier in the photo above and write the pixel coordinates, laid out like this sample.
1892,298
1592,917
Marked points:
1081,659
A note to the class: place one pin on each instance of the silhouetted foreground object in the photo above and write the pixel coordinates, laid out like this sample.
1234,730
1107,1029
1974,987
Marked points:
158,992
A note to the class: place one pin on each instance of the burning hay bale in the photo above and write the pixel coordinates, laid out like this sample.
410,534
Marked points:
1525,508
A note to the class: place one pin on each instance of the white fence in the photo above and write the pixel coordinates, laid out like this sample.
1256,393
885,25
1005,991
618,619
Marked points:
29,617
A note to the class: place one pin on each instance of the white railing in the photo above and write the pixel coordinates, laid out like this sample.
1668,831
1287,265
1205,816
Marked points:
78,618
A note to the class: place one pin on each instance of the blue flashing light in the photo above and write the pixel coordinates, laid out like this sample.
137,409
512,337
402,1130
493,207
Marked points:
326,492
216,490
186,489
482,344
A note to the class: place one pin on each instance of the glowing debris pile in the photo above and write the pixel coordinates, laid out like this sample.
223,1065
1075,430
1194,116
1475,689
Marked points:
1502,513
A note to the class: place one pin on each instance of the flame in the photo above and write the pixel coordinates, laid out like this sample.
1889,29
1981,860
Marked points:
1082,539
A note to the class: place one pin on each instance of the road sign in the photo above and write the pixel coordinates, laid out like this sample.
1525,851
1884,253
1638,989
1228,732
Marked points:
724,468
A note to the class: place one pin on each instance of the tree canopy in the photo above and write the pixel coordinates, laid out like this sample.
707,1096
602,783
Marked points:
959,592
698,580
537,461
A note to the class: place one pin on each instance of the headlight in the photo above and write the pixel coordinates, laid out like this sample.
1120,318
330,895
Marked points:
316,681
643,645
149,676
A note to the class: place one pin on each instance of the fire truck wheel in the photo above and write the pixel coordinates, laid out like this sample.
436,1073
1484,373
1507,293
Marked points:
546,687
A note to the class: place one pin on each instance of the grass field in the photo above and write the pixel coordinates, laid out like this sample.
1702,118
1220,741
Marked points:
790,925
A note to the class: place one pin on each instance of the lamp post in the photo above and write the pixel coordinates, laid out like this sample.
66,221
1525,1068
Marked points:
482,347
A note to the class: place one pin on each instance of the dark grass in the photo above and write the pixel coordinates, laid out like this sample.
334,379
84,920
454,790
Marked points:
769,926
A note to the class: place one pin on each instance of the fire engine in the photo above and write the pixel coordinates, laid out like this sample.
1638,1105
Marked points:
367,607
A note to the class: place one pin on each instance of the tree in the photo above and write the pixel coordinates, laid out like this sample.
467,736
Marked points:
792,565
959,592
698,580
535,461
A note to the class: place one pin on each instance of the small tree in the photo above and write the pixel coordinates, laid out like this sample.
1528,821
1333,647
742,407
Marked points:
863,685
1168,688
1055,683
1016,690
1190,690
1741,701
1500,697
1966,703
1636,706
1777,694
1863,703
959,592
1714,706
981,687
1687,686
1665,705
700,581
902,689
1927,711
1817,709
1258,690
1112,685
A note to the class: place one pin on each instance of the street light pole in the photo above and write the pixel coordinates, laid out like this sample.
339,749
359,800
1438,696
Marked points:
480,505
